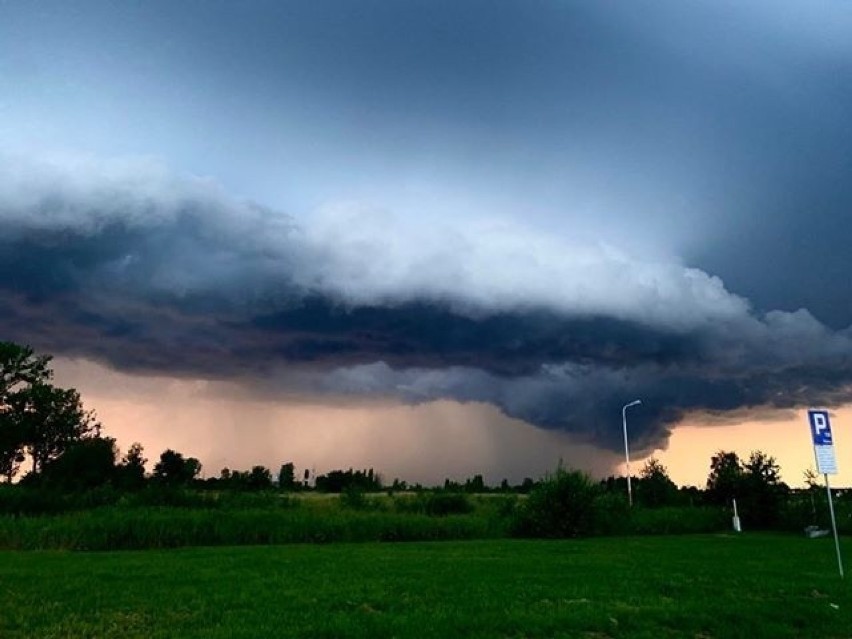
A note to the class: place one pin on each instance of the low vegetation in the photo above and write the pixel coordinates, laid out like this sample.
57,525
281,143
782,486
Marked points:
567,504
80,493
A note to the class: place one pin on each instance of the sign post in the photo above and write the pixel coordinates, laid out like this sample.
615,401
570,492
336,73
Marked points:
826,464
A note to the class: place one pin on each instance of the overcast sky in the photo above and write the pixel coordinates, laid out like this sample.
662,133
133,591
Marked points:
539,209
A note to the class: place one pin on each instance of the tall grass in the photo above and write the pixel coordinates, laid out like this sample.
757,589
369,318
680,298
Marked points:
567,504
120,528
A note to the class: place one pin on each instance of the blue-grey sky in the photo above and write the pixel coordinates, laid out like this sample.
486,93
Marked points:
545,206
694,129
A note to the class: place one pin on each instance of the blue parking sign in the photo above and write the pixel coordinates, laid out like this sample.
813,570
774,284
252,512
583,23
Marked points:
820,427
826,464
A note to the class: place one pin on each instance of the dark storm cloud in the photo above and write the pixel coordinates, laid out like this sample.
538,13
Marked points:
132,266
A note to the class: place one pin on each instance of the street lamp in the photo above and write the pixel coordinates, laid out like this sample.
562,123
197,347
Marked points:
624,408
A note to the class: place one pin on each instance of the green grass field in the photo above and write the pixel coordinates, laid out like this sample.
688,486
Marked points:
696,586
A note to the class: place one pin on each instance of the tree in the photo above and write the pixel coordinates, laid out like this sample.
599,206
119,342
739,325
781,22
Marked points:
130,473
811,479
813,489
762,468
655,488
173,468
338,481
35,416
725,477
526,486
451,486
11,445
20,368
475,484
135,458
259,477
755,484
287,476
50,420
86,463
763,492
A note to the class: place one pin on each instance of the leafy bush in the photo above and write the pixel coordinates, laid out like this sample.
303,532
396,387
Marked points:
612,514
42,500
563,505
804,509
807,508
435,504
271,500
440,504
16,500
166,495
353,497
505,507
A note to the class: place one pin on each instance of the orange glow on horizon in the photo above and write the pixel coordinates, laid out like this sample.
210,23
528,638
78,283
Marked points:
224,426
788,440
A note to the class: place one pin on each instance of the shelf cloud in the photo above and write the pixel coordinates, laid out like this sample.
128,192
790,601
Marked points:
131,265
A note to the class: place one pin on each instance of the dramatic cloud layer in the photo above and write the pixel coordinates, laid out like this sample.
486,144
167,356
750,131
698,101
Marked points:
131,265
713,130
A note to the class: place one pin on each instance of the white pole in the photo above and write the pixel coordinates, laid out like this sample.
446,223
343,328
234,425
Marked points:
627,448
834,527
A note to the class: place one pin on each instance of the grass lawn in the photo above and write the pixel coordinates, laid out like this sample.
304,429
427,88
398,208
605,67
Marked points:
698,586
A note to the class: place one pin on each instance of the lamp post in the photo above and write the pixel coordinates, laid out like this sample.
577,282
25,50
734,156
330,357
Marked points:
626,448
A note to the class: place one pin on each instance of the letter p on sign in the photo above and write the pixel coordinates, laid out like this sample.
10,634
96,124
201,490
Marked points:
820,427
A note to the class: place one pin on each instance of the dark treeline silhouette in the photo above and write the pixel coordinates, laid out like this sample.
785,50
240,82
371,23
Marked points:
338,481
37,419
258,478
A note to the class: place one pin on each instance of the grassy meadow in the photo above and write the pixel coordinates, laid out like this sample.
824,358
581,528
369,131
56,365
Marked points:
569,559
187,518
169,519
753,585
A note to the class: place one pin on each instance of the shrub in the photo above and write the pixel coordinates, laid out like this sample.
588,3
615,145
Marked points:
506,507
166,495
353,497
440,504
612,514
268,500
435,504
806,508
17,500
563,505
